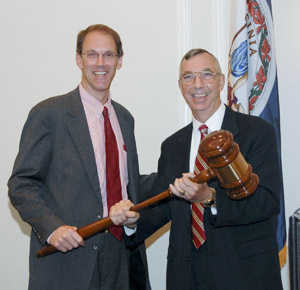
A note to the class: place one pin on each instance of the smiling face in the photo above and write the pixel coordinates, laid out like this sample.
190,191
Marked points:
202,98
97,74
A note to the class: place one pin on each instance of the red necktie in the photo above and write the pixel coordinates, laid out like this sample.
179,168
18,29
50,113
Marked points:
113,182
198,232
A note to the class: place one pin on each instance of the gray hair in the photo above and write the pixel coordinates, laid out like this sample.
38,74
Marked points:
196,51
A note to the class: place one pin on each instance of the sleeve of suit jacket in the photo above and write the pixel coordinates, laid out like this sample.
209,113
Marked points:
27,189
257,141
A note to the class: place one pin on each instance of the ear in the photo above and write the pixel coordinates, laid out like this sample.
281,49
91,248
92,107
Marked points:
119,63
221,82
179,85
79,60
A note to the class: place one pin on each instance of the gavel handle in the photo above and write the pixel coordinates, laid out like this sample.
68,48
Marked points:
103,224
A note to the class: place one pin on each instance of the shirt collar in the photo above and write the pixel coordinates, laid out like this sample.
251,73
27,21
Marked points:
91,103
214,123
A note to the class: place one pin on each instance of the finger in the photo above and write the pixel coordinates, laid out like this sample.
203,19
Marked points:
189,174
173,189
132,219
181,193
114,217
179,186
71,239
186,183
133,214
77,239
62,245
126,206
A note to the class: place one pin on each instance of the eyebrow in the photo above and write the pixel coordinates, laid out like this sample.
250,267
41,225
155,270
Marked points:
207,69
94,51
204,70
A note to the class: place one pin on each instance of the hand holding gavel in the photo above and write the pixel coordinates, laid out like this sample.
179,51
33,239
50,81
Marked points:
225,162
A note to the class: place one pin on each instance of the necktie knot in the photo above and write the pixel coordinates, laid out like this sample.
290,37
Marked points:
105,112
204,131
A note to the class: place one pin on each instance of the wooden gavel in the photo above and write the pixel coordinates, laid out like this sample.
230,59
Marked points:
225,162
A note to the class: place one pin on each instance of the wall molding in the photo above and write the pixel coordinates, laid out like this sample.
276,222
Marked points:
220,19
184,23
220,40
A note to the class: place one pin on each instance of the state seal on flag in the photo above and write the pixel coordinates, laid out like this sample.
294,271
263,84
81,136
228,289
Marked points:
252,65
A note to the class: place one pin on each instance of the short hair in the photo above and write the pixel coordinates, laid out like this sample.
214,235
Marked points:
100,28
196,51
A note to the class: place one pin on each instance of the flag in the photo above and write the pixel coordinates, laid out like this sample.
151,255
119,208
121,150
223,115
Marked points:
252,77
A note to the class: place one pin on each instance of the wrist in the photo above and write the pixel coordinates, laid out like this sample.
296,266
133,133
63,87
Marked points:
211,201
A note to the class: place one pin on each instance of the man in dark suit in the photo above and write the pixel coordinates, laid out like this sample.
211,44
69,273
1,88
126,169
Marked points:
58,183
237,247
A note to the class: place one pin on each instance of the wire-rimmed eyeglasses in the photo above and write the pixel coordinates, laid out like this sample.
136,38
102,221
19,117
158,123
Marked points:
107,55
206,76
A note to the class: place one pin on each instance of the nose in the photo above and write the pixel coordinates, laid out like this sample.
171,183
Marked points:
100,59
198,83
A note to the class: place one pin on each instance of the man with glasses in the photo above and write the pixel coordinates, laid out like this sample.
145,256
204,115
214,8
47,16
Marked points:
60,180
215,242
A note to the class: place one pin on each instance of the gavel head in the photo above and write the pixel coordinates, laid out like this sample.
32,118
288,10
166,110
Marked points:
224,158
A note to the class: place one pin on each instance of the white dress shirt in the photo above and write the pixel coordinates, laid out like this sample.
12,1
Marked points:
214,123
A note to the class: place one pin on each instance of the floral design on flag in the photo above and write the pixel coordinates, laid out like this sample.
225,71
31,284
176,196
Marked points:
252,66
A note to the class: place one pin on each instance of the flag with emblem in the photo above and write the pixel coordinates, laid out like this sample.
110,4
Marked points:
252,76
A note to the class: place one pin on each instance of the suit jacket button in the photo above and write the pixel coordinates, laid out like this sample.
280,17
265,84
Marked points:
95,247
99,215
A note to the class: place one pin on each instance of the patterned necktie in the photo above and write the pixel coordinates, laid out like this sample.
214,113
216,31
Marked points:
113,181
198,232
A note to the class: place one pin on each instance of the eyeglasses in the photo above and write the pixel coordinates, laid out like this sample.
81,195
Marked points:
93,55
205,76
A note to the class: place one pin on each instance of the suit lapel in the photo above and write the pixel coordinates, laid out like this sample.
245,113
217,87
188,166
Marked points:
127,137
182,151
78,128
183,148
125,129
229,122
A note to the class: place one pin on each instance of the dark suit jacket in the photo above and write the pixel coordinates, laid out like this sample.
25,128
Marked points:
241,238
55,182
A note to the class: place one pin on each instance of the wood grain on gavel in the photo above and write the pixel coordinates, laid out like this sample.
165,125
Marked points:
225,159
226,164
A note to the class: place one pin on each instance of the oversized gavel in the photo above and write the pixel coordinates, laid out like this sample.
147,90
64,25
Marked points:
225,162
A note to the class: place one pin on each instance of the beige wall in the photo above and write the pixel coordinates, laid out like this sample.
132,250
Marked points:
37,61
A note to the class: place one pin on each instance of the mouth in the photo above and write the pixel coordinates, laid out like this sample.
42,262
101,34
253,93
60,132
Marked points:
196,96
99,73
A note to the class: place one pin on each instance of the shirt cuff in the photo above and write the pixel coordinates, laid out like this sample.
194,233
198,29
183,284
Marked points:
50,237
129,231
